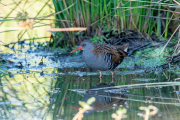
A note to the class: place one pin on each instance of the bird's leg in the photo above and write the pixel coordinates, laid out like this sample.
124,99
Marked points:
112,72
100,74
112,80
100,79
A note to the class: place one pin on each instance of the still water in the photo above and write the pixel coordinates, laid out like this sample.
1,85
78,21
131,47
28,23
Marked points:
44,85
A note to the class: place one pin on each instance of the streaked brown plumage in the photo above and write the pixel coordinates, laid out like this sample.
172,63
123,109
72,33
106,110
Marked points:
117,52
102,56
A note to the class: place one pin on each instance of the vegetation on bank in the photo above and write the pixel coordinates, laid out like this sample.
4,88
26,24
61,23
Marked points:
106,15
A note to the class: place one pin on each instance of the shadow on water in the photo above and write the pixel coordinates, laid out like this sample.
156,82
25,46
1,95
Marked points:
48,85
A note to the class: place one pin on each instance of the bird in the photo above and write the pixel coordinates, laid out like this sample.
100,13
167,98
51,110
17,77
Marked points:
102,56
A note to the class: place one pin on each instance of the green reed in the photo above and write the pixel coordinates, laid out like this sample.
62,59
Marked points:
145,16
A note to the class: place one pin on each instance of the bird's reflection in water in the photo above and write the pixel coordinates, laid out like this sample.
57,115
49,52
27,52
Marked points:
105,98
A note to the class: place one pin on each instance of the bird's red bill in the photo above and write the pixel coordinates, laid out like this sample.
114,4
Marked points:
79,48
76,108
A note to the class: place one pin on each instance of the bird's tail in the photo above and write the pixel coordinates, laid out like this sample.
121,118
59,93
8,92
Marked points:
124,47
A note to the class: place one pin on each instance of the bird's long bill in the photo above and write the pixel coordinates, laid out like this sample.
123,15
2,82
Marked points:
76,108
79,48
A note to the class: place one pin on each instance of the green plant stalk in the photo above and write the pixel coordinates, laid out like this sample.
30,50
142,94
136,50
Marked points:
56,9
84,12
167,21
92,9
159,22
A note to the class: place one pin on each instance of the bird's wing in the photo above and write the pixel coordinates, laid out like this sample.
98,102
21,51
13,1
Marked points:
113,53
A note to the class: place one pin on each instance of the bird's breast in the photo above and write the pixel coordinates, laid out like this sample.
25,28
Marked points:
95,61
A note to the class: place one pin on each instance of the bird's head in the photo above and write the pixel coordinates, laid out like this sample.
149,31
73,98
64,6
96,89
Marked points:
85,45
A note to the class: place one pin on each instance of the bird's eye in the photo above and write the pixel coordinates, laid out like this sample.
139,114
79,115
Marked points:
84,44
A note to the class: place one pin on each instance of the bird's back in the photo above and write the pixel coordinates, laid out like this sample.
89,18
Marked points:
116,52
